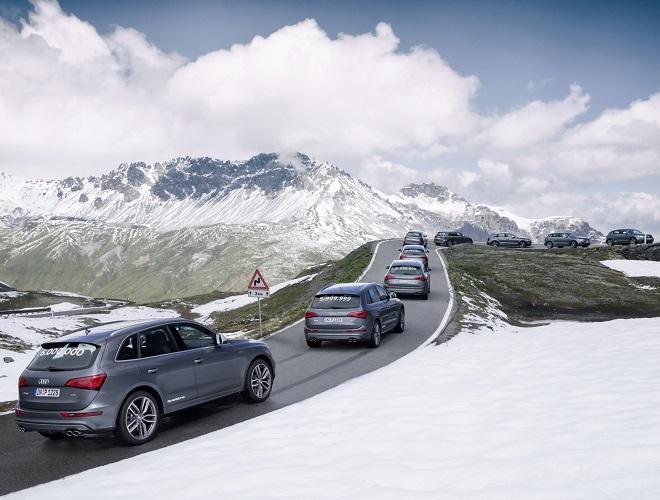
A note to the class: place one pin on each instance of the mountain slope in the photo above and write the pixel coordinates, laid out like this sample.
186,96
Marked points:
193,225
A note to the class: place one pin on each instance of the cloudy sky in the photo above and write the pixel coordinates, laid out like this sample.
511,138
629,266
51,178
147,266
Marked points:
544,108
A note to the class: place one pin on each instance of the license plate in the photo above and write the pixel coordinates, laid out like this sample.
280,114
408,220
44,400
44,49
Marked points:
333,320
46,393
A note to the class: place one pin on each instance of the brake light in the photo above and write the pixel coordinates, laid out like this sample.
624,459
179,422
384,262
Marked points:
68,414
310,314
93,382
18,412
22,382
389,277
357,314
421,277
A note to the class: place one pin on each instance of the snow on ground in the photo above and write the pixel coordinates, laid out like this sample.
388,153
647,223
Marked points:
565,410
634,268
35,331
236,301
64,306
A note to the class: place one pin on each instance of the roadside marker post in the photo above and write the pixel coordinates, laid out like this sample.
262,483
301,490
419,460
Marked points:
258,287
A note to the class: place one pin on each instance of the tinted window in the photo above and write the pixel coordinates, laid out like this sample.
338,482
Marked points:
64,356
128,349
194,338
338,301
383,294
413,251
406,270
375,296
156,342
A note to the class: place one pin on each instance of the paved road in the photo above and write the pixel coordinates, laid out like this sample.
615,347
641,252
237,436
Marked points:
29,459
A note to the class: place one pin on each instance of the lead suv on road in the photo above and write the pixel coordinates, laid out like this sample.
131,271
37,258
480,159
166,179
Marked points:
627,237
415,252
561,240
125,376
508,240
415,238
353,312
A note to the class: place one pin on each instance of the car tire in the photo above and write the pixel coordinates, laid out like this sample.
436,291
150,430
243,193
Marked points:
574,244
609,242
258,381
53,435
633,241
313,343
495,243
376,335
549,244
140,404
401,324
450,243
522,244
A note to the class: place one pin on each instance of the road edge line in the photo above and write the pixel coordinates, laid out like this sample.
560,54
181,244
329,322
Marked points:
450,306
366,270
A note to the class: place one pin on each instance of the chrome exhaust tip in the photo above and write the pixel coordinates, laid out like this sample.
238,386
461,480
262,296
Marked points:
72,432
22,429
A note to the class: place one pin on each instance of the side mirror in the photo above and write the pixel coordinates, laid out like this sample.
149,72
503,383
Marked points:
387,268
398,249
219,339
392,295
428,251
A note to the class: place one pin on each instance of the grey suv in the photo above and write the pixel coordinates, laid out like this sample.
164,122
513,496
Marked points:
508,240
408,277
561,240
353,312
125,376
627,237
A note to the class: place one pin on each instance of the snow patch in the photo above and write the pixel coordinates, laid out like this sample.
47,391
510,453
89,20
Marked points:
634,268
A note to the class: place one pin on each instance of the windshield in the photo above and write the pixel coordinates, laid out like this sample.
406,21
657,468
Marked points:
60,356
413,251
339,301
407,270
637,231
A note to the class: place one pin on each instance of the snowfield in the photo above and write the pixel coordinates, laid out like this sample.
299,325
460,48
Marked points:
564,410
634,268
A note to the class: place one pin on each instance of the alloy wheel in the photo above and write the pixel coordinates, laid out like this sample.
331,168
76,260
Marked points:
261,380
141,418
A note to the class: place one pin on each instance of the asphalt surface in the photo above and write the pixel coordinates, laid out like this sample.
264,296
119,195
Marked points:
28,459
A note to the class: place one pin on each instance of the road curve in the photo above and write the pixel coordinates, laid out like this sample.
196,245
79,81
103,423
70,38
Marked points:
29,459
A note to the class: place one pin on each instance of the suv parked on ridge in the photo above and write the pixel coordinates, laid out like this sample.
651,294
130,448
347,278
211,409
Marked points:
561,240
627,237
451,238
353,312
508,240
125,376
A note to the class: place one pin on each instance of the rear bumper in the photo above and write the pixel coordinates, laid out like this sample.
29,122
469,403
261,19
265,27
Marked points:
406,290
357,334
53,421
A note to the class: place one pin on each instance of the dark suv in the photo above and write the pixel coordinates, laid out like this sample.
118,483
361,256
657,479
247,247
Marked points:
125,376
353,312
508,240
561,240
627,237
451,238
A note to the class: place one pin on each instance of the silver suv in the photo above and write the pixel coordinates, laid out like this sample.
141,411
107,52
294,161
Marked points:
125,376
353,312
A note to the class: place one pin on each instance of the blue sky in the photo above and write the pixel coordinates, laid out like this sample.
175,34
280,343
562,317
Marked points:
519,49
543,108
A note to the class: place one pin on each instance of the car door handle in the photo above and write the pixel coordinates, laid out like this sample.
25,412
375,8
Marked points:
199,361
152,370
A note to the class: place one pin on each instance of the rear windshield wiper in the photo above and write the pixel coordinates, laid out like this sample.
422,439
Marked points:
56,369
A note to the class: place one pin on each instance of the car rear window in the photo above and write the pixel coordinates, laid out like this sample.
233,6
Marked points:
339,301
64,356
407,270
413,251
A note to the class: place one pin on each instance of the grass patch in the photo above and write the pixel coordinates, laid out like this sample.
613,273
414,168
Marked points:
289,304
570,284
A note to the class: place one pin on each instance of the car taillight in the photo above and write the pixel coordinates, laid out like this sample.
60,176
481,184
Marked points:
357,314
18,412
310,314
93,382
389,277
22,382
68,414
421,277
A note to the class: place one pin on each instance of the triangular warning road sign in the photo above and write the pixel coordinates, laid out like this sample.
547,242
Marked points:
258,282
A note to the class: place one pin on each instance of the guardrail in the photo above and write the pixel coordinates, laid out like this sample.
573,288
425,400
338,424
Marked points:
31,310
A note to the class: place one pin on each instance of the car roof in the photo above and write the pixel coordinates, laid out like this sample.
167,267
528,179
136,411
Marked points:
408,262
101,333
349,288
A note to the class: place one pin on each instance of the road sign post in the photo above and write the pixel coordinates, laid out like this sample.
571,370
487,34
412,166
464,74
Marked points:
258,287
